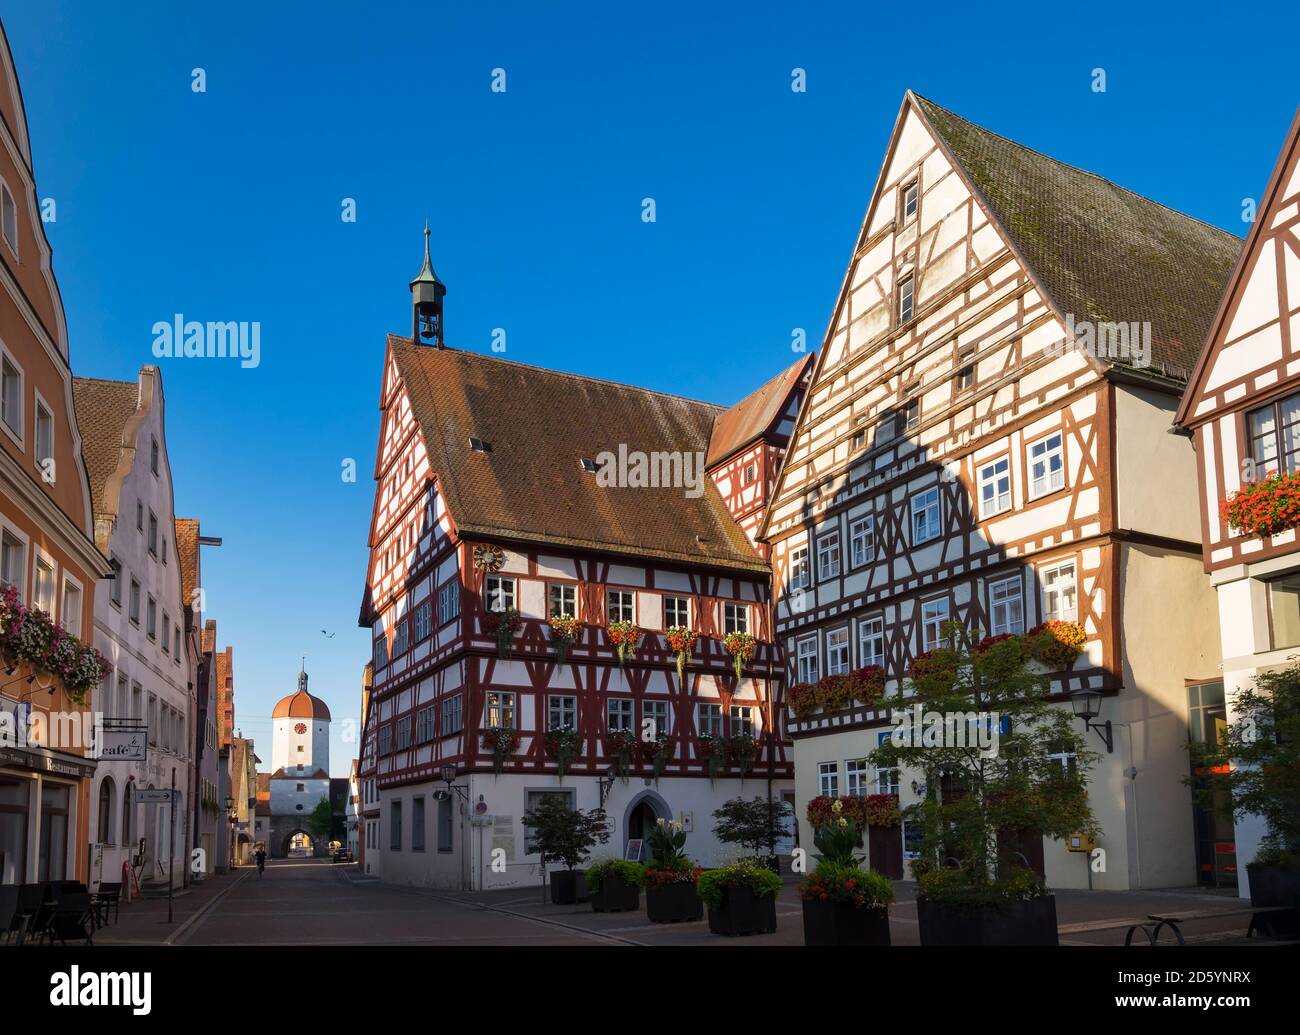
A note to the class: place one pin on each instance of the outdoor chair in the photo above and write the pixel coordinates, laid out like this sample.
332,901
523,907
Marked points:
8,910
71,919
31,910
108,898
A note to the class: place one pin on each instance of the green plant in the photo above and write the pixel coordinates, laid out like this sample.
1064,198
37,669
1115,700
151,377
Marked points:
1257,763
564,835
622,745
504,623
837,841
501,740
740,645
667,845
995,770
630,873
711,885
564,630
320,820
743,749
563,744
757,823
954,887
835,882
714,751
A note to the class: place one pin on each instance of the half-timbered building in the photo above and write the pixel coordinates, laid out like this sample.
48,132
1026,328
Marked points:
986,440
1242,411
508,494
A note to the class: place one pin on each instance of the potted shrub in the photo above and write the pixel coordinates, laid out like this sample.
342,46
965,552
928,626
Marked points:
843,904
713,749
623,636
615,885
503,624
743,749
756,824
741,897
564,631
564,835
681,641
1254,765
992,775
657,751
622,745
670,895
501,741
740,645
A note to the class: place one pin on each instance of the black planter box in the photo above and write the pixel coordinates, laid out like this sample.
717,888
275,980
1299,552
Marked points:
1031,922
615,896
568,887
1274,886
673,903
843,923
743,912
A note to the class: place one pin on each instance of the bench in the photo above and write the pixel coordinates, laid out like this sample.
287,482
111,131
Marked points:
1156,922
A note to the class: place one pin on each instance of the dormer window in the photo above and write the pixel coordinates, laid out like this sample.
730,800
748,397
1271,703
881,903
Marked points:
588,465
909,198
478,445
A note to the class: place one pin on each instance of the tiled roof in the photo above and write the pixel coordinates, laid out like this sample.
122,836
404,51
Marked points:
737,427
540,425
1101,252
187,547
209,639
301,705
292,773
103,409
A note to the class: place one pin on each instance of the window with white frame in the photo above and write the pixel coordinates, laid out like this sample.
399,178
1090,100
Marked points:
799,574
449,716
806,664
424,727
448,602
934,613
925,516
1007,606
11,395
656,714
735,617
500,709
856,777
871,642
708,719
620,605
1059,592
618,713
886,781
837,651
828,779
677,611
906,298
13,562
500,593
862,541
44,434
828,556
564,600
995,487
1046,465
561,713
742,719
909,200
43,584
71,607
9,217
423,626
133,602
400,637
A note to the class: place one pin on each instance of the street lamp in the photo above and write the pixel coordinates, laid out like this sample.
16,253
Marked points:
448,773
1087,706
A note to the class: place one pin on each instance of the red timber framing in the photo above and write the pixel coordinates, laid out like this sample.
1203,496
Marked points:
425,600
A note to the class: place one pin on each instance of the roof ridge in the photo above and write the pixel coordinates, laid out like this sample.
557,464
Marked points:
108,381
1075,168
565,373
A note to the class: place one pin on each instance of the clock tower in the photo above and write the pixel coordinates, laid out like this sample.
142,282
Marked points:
300,760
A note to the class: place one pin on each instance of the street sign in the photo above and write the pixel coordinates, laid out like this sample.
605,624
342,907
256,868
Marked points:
151,797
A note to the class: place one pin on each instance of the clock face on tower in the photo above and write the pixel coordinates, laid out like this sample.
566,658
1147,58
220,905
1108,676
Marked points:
300,728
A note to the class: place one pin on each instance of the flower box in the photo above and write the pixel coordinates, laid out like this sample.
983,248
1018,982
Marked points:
568,887
843,923
1023,922
673,903
743,912
615,896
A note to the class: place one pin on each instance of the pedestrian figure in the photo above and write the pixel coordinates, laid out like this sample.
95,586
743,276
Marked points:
261,860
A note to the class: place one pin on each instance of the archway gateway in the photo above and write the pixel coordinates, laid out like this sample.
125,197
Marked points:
299,844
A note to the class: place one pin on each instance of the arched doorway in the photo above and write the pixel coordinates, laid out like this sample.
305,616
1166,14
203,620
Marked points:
642,814
299,845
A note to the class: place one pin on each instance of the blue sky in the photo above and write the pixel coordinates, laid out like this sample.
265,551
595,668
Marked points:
226,205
